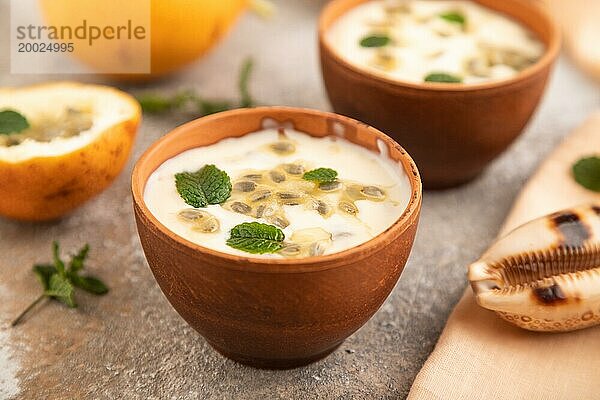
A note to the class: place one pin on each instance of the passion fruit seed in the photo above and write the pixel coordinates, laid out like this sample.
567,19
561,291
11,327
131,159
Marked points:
244,186
283,147
355,192
260,211
253,177
347,207
260,195
321,207
240,207
290,250
202,220
277,176
289,195
192,214
208,225
279,221
316,249
293,169
373,192
330,186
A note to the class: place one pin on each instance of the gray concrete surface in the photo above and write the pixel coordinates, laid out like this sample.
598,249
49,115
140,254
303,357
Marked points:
131,344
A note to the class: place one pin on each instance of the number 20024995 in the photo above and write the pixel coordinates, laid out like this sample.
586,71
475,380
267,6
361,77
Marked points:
45,47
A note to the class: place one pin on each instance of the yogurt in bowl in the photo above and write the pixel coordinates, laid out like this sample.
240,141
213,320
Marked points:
448,41
319,195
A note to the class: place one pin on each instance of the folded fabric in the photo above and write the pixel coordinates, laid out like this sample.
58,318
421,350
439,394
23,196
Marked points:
480,356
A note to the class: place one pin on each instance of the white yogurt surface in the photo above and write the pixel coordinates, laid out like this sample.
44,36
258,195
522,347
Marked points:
488,46
237,155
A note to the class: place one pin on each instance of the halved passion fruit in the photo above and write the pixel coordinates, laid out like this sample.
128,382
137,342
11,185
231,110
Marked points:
78,140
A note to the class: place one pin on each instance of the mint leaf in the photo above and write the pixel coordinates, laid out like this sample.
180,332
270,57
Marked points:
207,186
454,17
58,263
256,238
43,273
59,284
587,173
442,77
245,98
77,260
320,175
153,103
61,289
89,284
376,40
12,122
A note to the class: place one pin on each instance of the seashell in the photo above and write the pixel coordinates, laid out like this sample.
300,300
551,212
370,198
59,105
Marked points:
545,274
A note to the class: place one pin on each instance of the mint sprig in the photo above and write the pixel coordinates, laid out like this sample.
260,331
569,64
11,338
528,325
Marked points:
320,175
586,172
454,17
256,238
442,77
209,185
155,103
375,40
12,122
59,281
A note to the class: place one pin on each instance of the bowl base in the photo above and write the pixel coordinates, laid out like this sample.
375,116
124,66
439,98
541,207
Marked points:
276,363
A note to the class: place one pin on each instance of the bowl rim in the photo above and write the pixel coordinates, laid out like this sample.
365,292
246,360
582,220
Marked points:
550,54
403,222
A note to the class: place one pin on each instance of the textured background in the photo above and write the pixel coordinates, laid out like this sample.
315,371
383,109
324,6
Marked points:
131,344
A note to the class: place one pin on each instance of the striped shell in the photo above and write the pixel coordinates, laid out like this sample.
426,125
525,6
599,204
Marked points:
545,274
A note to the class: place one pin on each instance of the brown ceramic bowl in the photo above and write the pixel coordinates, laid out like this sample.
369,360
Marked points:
452,131
263,312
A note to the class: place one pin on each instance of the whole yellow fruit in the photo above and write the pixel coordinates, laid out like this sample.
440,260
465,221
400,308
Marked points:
181,31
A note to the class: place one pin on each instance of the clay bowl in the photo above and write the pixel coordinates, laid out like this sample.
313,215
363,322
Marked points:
263,312
452,131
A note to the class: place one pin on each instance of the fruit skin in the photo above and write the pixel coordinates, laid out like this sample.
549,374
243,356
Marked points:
46,188
181,32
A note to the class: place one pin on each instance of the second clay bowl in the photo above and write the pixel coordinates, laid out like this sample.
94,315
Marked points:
452,131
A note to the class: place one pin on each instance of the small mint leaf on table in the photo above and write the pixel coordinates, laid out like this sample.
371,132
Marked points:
59,283
61,289
89,284
586,172
12,122
209,185
320,175
442,77
454,17
78,259
375,40
43,273
256,238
